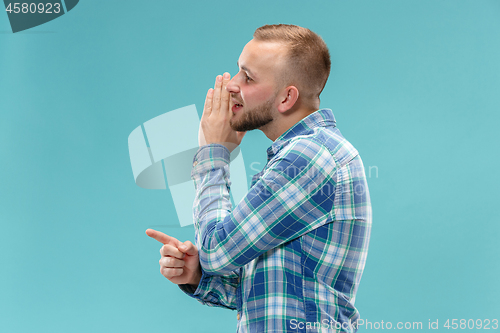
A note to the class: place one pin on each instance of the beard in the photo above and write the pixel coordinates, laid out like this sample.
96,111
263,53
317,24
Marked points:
254,118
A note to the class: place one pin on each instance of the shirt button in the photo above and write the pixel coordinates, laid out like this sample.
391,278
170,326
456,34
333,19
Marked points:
195,163
238,316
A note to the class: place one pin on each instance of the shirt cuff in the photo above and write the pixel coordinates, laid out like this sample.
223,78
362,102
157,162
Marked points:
190,290
210,157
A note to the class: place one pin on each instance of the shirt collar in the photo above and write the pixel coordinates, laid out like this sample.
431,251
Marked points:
320,118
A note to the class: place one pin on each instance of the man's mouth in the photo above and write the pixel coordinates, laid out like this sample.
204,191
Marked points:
236,107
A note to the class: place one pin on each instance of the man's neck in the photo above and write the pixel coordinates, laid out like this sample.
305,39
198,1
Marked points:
283,122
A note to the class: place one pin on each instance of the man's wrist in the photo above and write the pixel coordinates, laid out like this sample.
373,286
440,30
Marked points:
195,281
209,157
229,145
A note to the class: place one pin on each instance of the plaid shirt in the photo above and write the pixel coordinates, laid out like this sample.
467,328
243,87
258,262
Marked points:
290,255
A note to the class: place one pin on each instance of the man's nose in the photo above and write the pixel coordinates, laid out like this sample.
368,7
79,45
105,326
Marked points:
232,87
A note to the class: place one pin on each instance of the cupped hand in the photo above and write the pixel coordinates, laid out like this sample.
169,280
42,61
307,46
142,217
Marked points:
214,126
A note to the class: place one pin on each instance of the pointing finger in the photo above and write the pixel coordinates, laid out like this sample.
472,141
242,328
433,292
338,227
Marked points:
162,238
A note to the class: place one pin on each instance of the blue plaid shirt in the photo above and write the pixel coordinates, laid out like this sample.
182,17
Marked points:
290,255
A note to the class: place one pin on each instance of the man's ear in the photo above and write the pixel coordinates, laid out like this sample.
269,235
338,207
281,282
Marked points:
288,97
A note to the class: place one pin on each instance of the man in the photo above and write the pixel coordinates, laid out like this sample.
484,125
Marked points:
290,255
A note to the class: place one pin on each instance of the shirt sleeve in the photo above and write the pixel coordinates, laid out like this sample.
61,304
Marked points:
294,195
215,290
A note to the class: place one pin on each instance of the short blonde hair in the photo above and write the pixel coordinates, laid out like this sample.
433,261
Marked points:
308,64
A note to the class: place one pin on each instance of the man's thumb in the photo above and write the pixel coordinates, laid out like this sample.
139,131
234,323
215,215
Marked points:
188,248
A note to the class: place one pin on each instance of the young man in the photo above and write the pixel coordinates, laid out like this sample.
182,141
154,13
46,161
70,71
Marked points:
290,255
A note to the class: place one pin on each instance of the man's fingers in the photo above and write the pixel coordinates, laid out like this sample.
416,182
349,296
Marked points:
207,109
172,251
188,248
170,262
224,93
171,272
217,93
162,238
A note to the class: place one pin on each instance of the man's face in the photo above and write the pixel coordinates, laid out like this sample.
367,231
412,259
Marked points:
254,88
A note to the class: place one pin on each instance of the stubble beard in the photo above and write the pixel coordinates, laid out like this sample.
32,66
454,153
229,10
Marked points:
254,118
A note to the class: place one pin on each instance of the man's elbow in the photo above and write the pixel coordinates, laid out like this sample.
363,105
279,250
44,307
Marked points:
215,265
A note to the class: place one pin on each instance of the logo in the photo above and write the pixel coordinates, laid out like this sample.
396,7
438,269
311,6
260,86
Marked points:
26,15
161,155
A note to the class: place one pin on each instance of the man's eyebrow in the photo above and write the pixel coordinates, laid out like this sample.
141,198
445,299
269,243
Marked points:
244,68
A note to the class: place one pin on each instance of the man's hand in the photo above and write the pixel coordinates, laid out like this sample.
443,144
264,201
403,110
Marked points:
179,261
214,126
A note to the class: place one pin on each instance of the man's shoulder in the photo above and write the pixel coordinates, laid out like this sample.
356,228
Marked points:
325,140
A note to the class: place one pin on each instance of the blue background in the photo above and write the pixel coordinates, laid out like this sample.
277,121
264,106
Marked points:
414,86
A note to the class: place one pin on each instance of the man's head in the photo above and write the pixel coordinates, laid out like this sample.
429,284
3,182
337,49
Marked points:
307,62
283,68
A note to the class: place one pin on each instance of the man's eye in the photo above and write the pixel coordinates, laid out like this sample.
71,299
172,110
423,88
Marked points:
248,78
